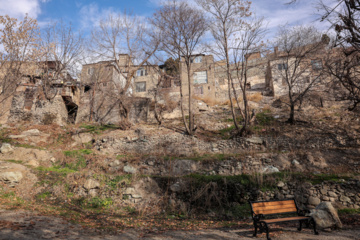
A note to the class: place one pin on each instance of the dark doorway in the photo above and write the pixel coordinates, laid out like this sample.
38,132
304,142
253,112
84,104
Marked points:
71,108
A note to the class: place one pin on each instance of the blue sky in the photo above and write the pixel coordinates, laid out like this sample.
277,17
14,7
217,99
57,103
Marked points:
86,13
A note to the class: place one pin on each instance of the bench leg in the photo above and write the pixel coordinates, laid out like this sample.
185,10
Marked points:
256,227
300,225
314,225
267,231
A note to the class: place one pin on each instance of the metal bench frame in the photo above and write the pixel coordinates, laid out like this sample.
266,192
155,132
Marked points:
261,223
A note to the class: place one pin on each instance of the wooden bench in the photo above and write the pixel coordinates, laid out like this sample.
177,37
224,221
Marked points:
260,209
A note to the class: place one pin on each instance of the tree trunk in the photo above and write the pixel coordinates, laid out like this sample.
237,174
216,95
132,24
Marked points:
187,130
191,118
230,83
291,119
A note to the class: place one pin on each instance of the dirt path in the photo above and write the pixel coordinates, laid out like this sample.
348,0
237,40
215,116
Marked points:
26,225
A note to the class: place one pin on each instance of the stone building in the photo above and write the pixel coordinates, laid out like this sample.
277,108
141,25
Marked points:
209,78
102,99
303,68
202,76
44,95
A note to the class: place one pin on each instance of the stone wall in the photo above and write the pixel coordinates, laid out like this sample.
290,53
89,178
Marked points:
31,106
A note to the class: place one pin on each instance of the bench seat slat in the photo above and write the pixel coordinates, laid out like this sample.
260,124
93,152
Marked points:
274,207
277,203
275,211
284,219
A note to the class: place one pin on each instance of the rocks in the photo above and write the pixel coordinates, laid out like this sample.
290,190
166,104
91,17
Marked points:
270,169
175,187
295,162
345,199
254,140
82,138
31,132
280,184
332,194
27,154
11,177
326,216
129,169
91,184
183,167
33,136
6,148
313,201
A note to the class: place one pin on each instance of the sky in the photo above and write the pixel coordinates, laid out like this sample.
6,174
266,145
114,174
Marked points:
84,14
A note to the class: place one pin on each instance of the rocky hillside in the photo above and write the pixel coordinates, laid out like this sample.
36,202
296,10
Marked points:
150,170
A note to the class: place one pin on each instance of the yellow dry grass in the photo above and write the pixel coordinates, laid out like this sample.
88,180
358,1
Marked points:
256,97
208,100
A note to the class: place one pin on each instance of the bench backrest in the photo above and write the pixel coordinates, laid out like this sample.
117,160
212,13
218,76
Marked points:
273,207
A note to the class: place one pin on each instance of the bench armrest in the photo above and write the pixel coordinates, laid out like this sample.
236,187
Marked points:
258,217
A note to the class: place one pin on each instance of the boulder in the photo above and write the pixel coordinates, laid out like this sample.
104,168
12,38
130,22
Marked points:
254,140
11,177
184,166
6,147
314,201
82,138
175,187
129,169
31,132
91,184
326,216
270,169
280,184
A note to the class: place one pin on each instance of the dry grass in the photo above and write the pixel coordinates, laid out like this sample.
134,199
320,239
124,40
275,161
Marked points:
170,104
256,97
208,100
227,102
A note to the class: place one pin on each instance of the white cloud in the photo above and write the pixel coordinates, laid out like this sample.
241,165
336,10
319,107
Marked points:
277,13
91,15
19,8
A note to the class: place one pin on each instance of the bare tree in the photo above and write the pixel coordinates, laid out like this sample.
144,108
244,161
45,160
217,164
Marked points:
298,64
343,70
343,62
124,40
18,44
236,35
248,42
182,28
64,48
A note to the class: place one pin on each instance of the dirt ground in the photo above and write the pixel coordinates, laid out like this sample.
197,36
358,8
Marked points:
26,225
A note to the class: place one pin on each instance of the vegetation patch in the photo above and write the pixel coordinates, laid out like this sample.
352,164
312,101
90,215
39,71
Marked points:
265,118
79,157
319,178
226,132
98,129
57,169
349,211
4,133
15,161
113,183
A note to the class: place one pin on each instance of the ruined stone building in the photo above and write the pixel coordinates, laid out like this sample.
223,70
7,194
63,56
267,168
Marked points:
44,96
102,85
